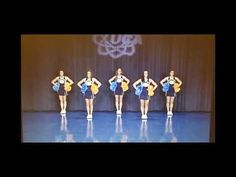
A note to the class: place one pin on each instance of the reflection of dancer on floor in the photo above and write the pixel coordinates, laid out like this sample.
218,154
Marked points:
144,96
119,92
65,135
62,80
144,131
170,94
89,134
169,135
89,81
119,136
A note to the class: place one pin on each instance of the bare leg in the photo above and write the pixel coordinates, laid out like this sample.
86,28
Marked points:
167,104
91,106
87,105
146,103
61,102
117,102
171,103
65,103
121,102
142,106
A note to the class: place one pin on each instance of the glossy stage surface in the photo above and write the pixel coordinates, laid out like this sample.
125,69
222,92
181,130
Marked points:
108,127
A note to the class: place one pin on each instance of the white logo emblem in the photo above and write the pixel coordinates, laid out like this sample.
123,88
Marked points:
116,45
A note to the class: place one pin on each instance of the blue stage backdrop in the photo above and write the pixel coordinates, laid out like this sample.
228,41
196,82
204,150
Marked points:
192,57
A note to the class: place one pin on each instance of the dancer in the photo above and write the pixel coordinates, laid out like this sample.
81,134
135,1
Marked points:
119,86
144,95
89,89
62,82
172,87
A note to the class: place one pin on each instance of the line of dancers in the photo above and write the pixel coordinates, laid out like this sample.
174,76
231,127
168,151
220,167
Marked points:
144,89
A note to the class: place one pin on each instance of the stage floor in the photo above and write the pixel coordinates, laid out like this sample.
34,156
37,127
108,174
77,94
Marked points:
107,127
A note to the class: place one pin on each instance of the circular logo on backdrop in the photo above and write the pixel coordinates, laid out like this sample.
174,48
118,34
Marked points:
116,46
